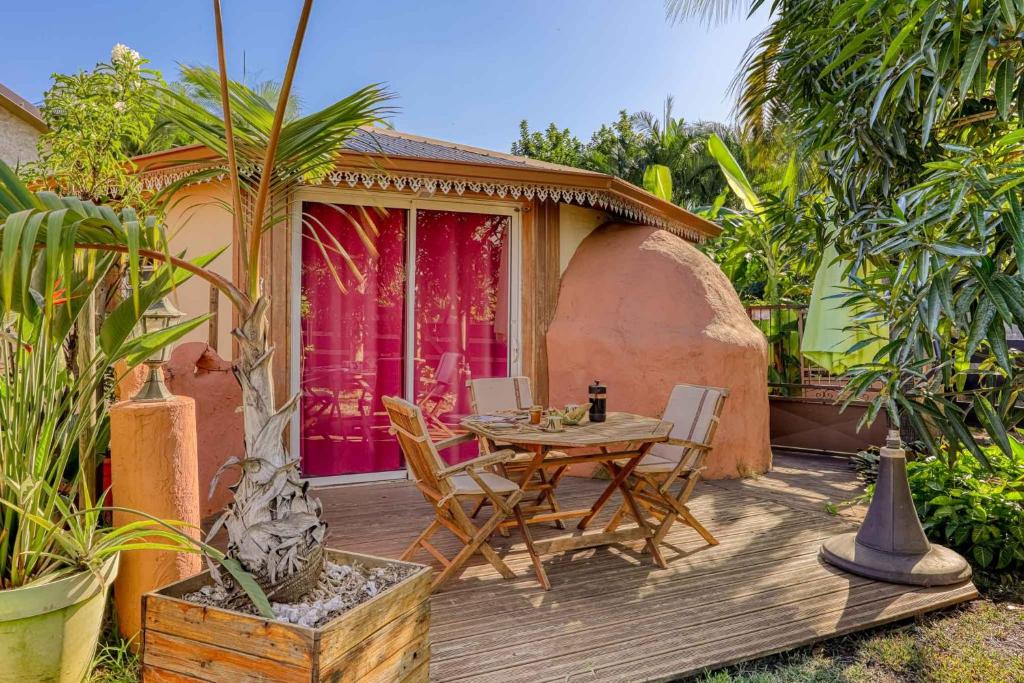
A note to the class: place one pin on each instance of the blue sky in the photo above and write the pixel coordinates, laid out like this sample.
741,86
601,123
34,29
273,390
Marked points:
463,70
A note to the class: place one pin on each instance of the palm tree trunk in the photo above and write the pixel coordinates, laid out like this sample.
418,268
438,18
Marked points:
274,526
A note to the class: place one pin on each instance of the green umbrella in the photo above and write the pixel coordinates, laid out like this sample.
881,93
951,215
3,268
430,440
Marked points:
828,336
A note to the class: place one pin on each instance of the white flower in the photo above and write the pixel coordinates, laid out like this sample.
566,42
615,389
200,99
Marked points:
123,53
119,106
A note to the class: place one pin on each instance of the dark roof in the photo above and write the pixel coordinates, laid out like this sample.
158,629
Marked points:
370,142
21,107
393,143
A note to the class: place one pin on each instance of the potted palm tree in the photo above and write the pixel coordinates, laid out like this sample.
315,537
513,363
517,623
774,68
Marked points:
274,528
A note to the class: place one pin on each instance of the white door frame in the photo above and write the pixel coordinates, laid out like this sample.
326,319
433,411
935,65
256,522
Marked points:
391,200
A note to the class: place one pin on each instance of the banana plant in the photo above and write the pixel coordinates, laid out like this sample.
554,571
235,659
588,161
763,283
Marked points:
658,181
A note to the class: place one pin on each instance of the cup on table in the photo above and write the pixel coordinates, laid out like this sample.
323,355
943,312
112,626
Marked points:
555,423
536,413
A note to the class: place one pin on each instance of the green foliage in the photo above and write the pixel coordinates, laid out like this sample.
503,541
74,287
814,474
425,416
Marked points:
52,522
769,248
553,145
658,181
116,662
974,510
98,120
910,111
633,144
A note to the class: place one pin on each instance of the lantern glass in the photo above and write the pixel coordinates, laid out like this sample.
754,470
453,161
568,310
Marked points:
159,316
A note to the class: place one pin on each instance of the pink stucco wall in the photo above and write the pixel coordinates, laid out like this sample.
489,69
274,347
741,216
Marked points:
196,371
642,310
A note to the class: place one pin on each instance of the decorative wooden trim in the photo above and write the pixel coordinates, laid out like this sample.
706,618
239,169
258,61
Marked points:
541,281
583,189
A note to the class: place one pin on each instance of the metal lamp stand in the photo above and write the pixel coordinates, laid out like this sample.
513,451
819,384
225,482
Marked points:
891,545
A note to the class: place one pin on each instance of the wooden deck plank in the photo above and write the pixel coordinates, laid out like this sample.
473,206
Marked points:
611,615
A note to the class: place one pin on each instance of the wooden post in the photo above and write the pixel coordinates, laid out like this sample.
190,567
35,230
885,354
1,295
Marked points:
212,335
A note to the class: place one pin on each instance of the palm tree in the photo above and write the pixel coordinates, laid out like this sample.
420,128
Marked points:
683,148
274,527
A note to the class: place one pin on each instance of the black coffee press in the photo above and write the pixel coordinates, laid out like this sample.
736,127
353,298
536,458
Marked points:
598,401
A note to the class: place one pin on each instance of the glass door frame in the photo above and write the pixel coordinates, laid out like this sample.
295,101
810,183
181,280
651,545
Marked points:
410,204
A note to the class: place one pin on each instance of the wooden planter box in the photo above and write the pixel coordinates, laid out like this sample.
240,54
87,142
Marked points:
385,639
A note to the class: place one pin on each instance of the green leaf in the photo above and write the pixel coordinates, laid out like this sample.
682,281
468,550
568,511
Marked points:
963,435
734,174
249,585
1008,11
982,555
975,52
1004,77
658,181
901,37
993,424
142,347
850,48
984,314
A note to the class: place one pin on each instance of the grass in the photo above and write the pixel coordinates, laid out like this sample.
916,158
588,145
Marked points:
981,642
115,662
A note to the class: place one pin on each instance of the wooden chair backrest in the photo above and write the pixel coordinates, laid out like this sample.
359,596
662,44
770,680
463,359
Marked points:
421,456
694,412
492,394
447,372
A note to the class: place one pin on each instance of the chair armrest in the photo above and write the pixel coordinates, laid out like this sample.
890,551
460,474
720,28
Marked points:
687,444
454,441
483,461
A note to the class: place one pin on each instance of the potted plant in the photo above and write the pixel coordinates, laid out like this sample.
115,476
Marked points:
274,527
57,560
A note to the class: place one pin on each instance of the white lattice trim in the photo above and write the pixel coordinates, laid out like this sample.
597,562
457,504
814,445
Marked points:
606,201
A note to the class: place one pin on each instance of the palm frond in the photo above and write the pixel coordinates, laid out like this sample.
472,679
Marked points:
711,12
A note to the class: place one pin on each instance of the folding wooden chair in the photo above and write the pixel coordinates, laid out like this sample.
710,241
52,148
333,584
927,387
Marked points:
445,487
490,395
694,412
440,389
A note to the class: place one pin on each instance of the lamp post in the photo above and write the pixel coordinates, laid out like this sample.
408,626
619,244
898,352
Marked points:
154,467
891,545
159,316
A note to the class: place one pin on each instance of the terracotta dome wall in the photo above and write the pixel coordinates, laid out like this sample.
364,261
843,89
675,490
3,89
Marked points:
642,310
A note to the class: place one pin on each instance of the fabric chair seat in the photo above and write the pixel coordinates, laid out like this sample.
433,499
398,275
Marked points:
653,464
464,484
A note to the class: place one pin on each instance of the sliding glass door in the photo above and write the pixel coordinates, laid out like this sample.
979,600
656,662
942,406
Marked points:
407,302
461,319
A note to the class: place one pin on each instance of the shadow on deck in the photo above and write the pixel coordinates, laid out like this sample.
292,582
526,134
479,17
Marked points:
612,616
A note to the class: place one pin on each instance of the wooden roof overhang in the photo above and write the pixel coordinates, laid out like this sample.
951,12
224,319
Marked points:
414,174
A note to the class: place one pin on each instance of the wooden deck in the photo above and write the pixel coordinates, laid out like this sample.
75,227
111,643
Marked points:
612,616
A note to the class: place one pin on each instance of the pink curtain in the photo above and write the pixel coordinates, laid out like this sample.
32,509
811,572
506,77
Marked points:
352,338
461,292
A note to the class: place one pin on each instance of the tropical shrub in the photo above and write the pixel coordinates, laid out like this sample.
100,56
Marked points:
51,519
977,511
911,111
97,121
634,144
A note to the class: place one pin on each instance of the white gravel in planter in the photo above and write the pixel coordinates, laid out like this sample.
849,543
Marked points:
341,587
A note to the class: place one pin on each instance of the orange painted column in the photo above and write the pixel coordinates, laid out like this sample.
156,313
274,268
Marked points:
154,469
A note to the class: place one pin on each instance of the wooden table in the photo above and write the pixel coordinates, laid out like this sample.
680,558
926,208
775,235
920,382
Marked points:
620,443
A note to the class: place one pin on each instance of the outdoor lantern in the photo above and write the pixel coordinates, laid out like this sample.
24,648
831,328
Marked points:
159,316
